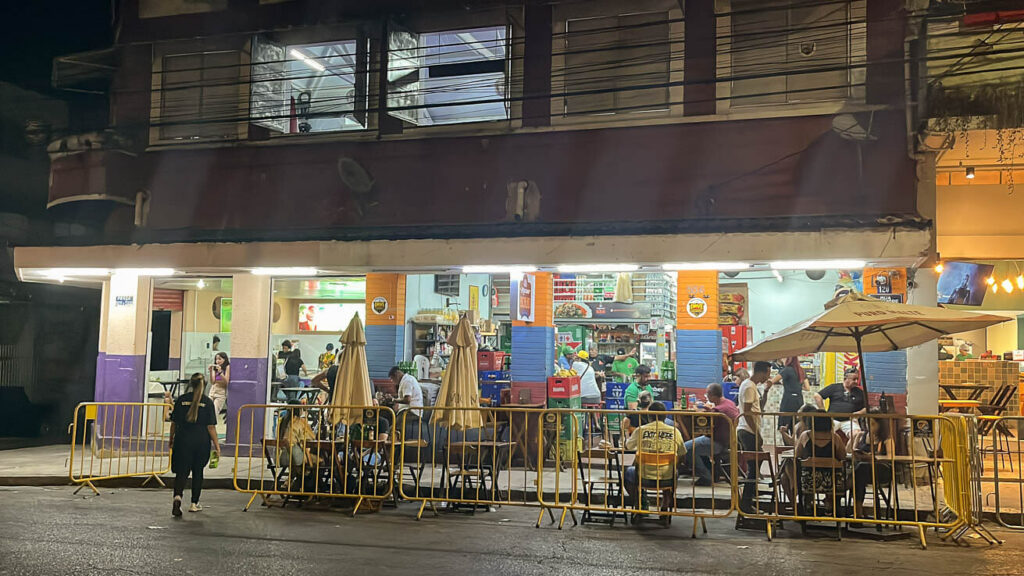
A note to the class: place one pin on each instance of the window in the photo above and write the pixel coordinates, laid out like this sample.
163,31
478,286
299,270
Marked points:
448,77
199,96
778,43
612,57
447,284
308,87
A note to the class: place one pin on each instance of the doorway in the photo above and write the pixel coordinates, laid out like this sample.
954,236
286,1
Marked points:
160,343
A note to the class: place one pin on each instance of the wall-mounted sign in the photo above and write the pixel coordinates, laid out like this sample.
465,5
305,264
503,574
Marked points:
225,314
525,297
379,305
474,298
697,307
124,300
888,284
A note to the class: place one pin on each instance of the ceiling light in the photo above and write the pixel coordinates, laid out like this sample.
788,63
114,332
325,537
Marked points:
817,264
58,273
1007,285
201,284
718,266
285,271
939,268
1020,282
969,173
307,60
995,288
991,280
777,275
144,271
498,269
596,268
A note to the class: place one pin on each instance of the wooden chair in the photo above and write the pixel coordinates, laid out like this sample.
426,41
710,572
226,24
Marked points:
663,488
822,485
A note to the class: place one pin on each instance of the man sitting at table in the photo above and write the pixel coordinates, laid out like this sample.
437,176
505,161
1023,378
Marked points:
704,448
659,449
845,398
410,393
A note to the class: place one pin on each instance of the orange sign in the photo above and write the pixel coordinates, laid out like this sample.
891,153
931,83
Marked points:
698,300
889,284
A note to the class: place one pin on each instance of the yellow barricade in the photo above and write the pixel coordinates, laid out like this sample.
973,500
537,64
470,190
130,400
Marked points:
300,452
112,440
466,458
1002,478
633,465
880,469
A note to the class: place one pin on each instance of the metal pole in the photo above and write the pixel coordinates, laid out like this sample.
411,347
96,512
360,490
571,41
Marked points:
863,372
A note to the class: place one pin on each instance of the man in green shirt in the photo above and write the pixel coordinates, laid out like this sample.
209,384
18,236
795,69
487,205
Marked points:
625,364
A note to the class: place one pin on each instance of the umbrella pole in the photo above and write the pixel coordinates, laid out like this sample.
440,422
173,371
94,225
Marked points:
863,372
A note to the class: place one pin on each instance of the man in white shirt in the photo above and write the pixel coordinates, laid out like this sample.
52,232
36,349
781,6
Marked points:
748,428
590,392
410,394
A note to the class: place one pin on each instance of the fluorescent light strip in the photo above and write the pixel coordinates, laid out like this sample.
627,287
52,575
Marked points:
498,269
597,268
777,275
307,60
144,271
818,265
719,266
285,271
65,272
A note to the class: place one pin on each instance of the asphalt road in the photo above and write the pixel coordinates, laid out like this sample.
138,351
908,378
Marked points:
130,531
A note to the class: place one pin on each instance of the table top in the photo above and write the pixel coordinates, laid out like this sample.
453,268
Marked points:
883,458
951,402
965,386
301,390
483,444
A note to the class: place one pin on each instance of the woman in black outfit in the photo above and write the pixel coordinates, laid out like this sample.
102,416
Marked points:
193,428
793,385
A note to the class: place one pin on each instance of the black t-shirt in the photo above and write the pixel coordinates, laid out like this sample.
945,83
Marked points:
842,402
186,432
332,377
292,362
602,362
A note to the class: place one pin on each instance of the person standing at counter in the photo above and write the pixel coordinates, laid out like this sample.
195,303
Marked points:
625,364
964,353
589,390
220,376
326,359
794,382
292,364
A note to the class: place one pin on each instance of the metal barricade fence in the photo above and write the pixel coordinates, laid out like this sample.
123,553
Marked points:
465,458
111,440
632,464
302,452
1002,475
879,469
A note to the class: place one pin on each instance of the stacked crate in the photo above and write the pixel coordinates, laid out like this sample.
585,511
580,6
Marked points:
493,377
615,399
564,392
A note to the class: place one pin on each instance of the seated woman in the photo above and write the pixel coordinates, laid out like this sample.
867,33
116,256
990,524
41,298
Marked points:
294,431
788,464
869,449
818,446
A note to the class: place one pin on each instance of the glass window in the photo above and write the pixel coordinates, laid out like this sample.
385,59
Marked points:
447,284
770,40
199,96
305,88
448,77
607,59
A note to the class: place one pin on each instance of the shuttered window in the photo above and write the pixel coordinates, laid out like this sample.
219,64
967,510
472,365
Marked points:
200,96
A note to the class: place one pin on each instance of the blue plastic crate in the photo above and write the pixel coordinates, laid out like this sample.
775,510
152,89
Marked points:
493,390
615,404
615,389
492,375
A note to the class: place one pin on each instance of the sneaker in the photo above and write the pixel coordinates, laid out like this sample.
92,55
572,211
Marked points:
176,508
195,508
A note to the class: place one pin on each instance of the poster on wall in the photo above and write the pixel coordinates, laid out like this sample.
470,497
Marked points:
474,299
524,297
225,314
326,317
732,304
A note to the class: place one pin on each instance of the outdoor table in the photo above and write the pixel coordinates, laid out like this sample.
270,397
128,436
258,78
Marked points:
522,428
296,393
974,391
173,386
957,405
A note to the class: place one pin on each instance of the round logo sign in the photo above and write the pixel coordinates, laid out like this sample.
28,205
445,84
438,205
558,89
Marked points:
379,305
697,307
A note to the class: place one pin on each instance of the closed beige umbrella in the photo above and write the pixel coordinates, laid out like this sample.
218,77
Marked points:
459,387
352,388
856,323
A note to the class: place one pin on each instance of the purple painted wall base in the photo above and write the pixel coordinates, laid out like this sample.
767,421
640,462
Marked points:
174,363
120,378
248,386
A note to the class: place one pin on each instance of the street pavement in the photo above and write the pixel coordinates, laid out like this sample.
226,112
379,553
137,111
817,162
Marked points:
47,530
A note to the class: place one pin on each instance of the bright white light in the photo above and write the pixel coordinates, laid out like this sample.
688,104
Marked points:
306,60
597,268
285,271
818,265
59,273
201,284
719,266
777,275
498,269
144,271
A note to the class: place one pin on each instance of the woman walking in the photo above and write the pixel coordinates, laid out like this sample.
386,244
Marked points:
220,375
193,428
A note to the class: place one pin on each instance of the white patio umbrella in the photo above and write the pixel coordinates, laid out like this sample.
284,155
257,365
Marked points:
858,323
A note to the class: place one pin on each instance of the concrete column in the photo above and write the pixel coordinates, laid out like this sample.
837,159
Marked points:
124,334
923,360
698,338
385,322
250,341
533,343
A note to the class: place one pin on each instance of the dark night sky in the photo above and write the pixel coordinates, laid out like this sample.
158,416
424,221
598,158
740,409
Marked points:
35,31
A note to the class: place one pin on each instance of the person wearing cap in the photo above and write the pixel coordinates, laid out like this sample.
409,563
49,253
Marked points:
964,353
625,364
565,356
589,390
